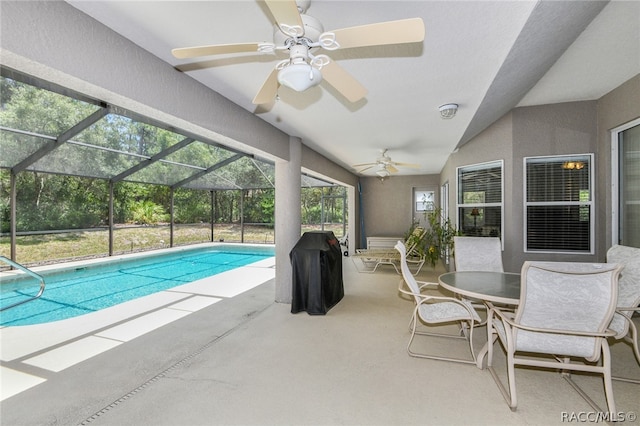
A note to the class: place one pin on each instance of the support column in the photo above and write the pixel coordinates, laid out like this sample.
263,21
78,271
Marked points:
110,219
288,217
172,221
241,215
213,212
12,215
354,214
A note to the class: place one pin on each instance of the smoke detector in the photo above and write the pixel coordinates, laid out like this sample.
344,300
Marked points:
448,111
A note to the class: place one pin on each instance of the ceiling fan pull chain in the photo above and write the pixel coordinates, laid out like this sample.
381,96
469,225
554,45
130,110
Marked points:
328,41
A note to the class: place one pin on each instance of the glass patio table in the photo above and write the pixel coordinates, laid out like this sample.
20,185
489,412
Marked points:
489,287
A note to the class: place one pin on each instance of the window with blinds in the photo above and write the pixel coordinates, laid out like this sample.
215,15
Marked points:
559,204
480,201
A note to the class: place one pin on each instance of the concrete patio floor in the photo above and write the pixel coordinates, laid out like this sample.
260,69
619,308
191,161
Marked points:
246,360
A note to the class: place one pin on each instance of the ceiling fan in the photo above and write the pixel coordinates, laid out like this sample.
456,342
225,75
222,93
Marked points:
385,165
302,35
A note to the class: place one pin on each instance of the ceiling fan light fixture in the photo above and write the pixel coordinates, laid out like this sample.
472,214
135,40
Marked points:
384,173
299,77
448,111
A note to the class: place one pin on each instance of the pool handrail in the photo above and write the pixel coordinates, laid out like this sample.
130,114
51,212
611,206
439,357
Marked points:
28,271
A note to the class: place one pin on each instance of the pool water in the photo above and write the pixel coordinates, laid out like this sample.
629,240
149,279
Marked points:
88,289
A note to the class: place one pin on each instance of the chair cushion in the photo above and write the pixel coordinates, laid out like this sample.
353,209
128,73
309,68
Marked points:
527,341
568,296
628,284
478,254
446,312
585,347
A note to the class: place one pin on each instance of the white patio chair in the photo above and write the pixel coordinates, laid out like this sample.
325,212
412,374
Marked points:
564,312
372,258
628,298
478,254
435,310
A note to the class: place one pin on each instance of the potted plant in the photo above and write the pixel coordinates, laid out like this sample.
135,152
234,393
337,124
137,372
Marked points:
439,238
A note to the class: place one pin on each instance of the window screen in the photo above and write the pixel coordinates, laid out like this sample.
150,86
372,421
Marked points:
559,204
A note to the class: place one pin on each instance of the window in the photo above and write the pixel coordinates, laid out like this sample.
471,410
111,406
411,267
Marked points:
480,200
559,204
425,200
625,157
444,200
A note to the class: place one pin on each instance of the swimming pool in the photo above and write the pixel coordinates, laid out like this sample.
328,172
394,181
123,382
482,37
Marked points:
88,288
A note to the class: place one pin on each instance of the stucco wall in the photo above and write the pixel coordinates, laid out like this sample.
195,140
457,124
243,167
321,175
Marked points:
494,143
387,206
616,108
566,128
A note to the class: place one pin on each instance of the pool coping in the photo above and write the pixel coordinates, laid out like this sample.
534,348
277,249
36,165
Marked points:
108,260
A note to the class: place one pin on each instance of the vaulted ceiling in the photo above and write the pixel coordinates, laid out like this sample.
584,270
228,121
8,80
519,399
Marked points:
486,56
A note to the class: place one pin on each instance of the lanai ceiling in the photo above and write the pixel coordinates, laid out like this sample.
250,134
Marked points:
486,56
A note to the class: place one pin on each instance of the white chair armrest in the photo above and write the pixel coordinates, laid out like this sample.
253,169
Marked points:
506,315
422,285
625,309
427,299
425,284
509,319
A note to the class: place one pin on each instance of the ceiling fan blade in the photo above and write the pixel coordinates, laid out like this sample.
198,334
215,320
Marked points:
391,168
364,164
413,166
286,15
269,89
343,82
365,169
390,32
215,49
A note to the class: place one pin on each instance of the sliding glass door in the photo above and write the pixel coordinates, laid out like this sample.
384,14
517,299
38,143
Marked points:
626,179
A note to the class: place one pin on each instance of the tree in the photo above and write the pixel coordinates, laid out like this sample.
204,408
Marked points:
191,206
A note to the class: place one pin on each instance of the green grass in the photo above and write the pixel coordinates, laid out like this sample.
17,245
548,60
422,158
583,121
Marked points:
50,248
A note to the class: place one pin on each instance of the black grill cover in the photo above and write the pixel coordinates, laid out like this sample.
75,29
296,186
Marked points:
316,261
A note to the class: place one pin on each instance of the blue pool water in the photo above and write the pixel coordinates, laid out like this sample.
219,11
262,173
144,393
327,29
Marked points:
82,290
